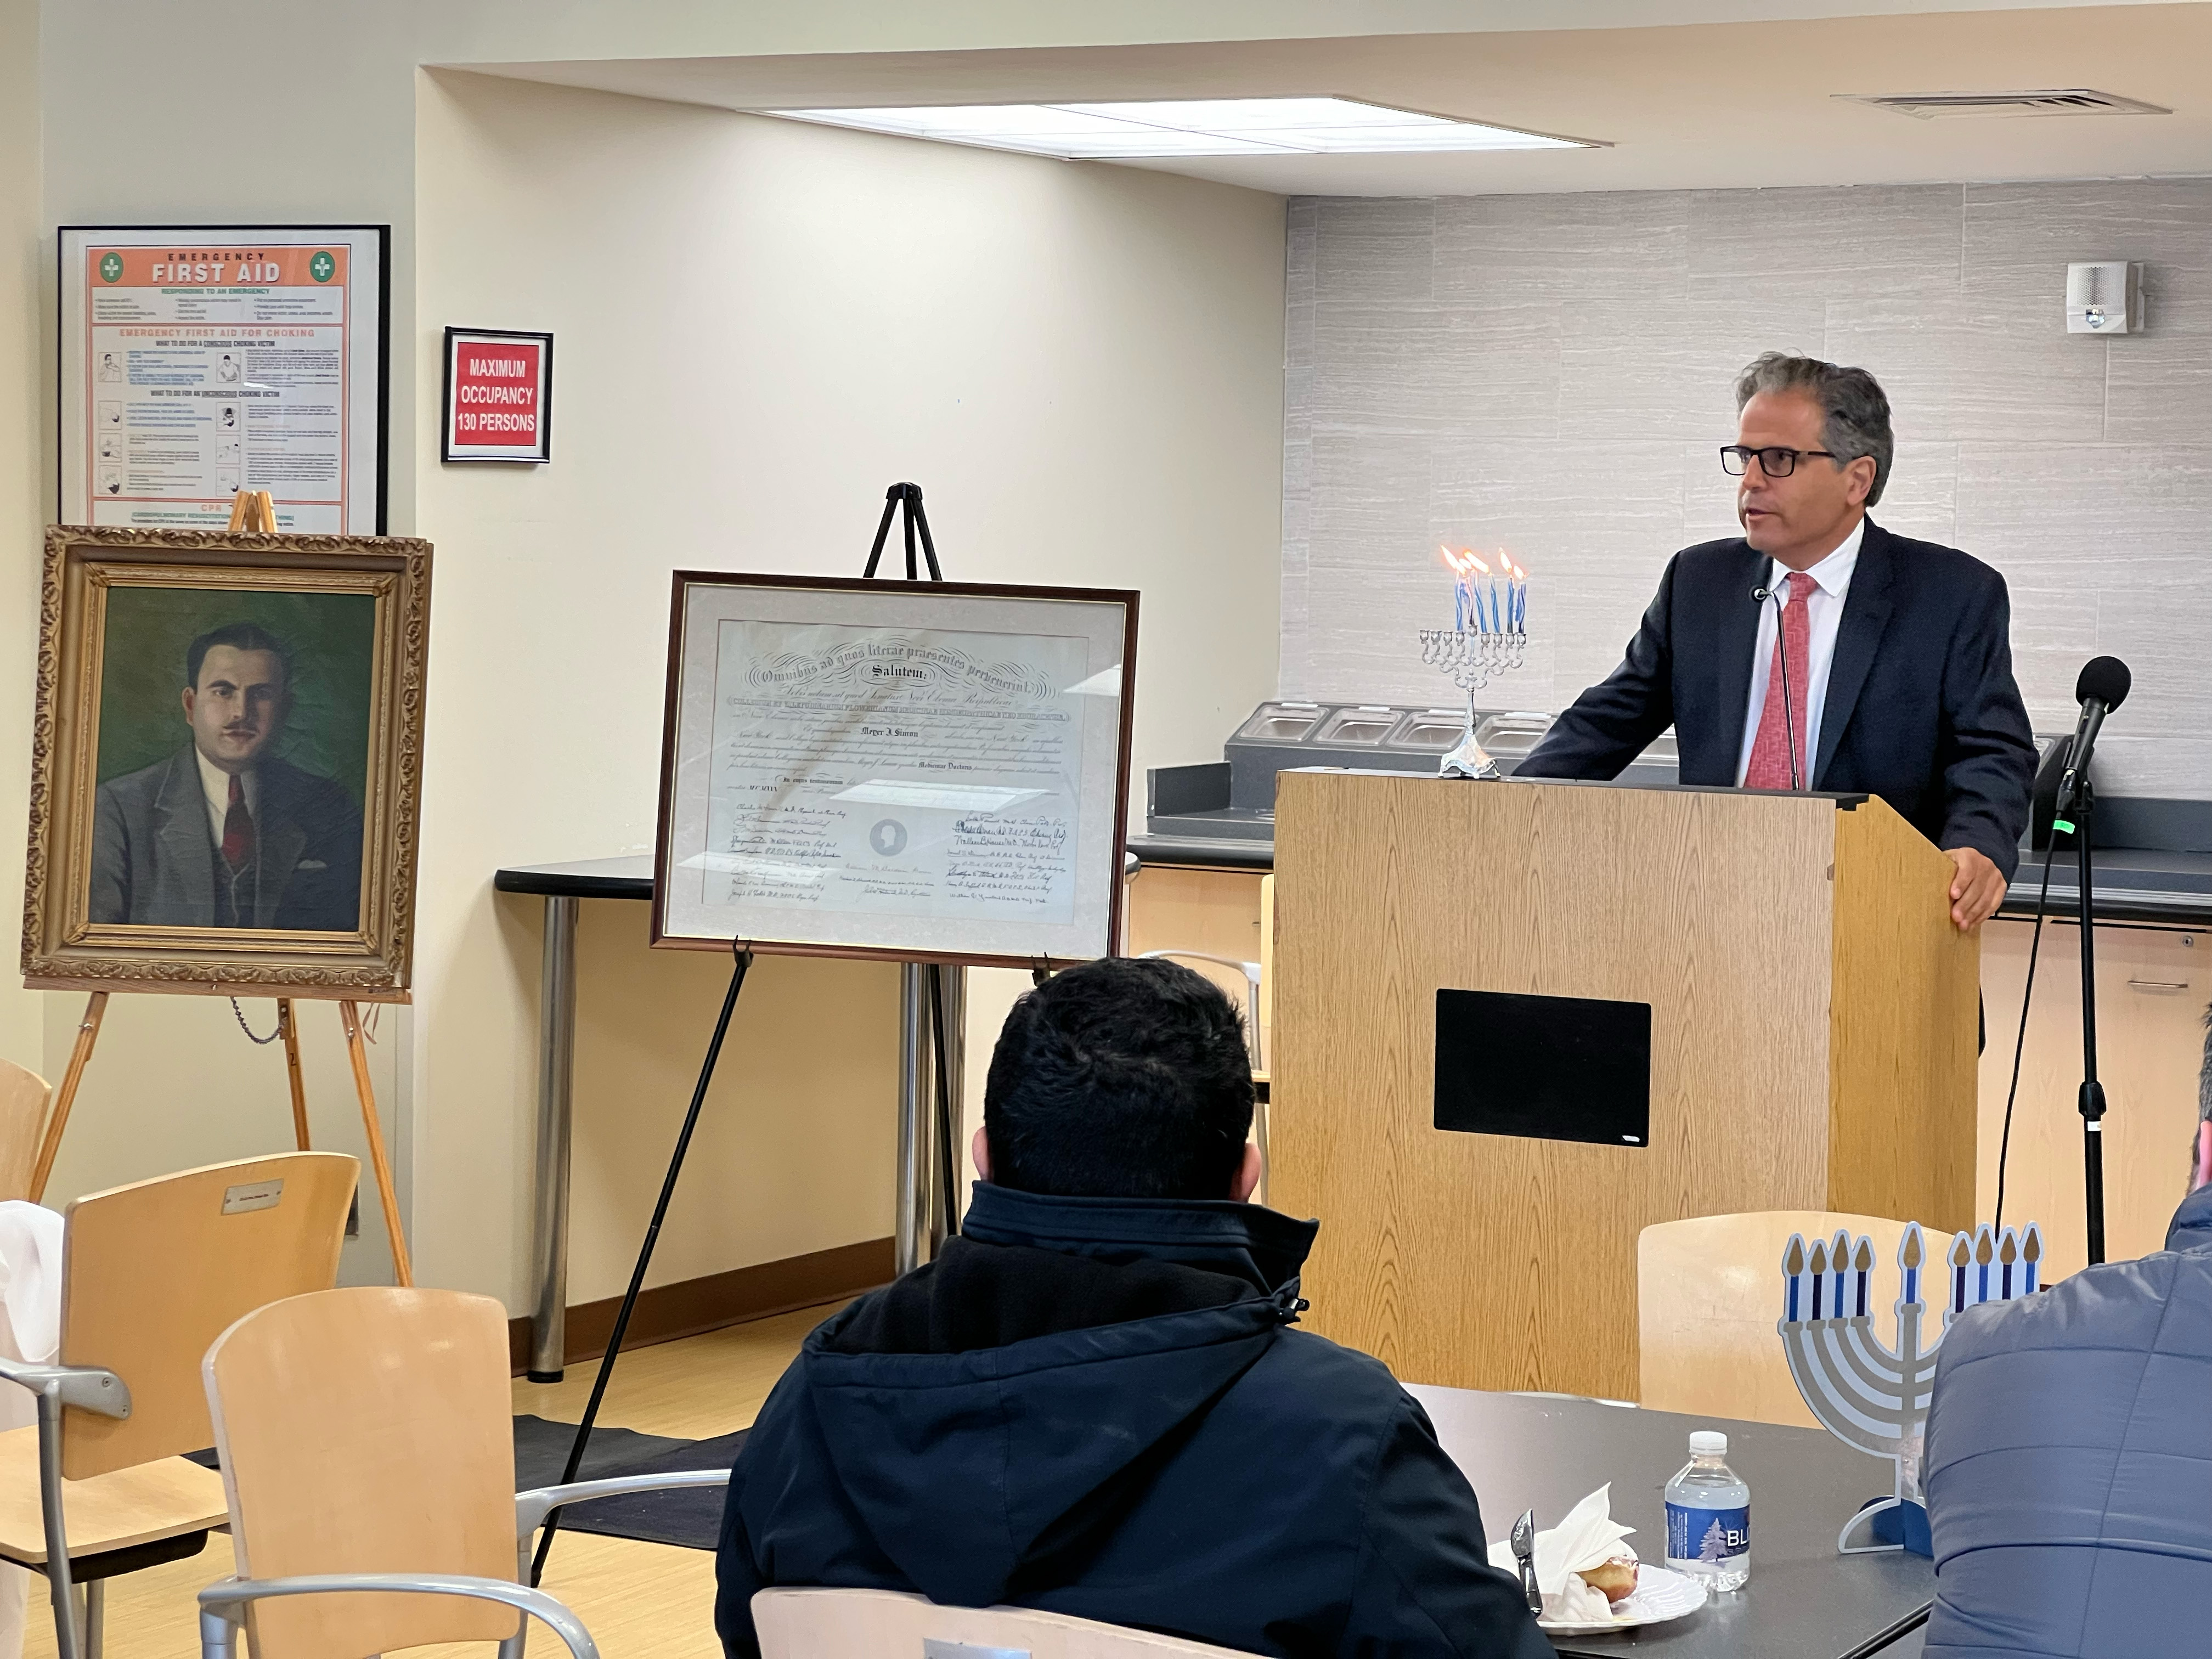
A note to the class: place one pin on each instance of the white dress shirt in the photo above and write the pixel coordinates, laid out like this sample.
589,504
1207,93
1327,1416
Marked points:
1832,577
215,784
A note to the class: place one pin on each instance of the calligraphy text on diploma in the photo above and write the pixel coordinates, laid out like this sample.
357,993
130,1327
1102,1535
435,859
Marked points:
929,772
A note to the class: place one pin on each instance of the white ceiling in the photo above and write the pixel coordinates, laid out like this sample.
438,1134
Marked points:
1708,105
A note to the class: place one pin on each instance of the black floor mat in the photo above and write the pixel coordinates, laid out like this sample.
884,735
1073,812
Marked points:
690,1517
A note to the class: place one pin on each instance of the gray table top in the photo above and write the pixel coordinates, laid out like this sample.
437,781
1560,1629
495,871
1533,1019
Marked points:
1803,1600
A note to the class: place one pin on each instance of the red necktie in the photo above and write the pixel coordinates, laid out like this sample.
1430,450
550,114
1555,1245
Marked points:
1770,749
237,830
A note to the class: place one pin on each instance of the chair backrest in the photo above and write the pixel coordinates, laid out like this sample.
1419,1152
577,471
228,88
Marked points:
368,1429
153,1271
1709,1296
1241,980
862,1624
23,1097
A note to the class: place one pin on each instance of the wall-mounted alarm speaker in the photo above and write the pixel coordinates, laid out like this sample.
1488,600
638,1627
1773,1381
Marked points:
2104,297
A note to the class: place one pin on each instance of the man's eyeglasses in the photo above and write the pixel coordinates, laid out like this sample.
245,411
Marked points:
1774,461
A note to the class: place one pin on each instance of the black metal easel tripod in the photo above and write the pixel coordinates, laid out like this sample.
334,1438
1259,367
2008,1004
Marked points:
936,1004
939,1033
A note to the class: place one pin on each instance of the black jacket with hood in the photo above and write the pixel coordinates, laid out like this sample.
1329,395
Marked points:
1097,1406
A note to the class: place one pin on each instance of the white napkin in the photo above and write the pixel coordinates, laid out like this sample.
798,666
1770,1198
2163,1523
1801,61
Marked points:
30,1294
1587,1537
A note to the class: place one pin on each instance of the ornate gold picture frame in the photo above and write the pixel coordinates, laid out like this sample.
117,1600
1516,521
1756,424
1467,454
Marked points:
226,762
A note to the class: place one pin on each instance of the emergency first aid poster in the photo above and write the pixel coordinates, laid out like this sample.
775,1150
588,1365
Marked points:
499,394
198,361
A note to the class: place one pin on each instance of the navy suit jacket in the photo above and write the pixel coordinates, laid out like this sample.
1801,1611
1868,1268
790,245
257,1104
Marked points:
1921,706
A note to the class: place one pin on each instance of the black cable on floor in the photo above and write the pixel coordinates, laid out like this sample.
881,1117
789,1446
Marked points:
2020,1042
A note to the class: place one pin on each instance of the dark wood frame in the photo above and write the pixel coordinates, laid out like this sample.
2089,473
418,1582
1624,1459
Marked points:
672,709
61,950
545,400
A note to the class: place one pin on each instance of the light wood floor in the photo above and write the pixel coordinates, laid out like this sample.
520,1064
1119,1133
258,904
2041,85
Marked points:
639,1601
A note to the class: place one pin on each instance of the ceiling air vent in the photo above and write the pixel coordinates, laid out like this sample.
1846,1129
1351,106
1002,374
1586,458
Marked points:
2067,100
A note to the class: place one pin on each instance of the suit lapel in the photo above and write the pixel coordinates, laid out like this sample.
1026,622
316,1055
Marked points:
280,839
1738,638
185,883
1866,613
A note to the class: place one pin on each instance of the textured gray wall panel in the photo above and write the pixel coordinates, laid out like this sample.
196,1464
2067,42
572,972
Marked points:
1551,374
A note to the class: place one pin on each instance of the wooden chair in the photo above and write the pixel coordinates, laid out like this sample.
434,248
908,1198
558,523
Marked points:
151,1273
1258,1006
865,1623
1709,1297
23,1097
367,1445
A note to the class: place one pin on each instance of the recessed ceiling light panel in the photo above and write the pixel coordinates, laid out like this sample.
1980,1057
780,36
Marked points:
1205,127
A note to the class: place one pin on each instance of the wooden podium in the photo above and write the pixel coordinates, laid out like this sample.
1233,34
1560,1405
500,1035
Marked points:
1811,1046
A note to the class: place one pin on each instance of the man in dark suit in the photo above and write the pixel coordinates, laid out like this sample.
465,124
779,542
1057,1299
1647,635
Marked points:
222,833
1899,668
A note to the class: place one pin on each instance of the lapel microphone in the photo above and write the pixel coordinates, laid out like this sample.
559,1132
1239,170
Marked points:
1761,595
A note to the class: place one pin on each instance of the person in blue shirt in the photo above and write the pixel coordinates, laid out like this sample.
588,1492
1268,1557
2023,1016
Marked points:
1096,1399
2069,1463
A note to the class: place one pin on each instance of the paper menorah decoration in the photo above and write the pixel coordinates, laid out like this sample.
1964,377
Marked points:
1874,1395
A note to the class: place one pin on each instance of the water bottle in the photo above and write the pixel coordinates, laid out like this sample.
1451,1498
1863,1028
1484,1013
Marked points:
1709,1517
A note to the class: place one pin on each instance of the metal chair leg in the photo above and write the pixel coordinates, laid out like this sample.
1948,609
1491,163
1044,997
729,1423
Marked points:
68,1633
95,1617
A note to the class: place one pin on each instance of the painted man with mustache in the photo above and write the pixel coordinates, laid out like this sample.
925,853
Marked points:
223,833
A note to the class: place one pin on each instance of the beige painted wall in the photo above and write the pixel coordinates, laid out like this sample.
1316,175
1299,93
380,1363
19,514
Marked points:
759,326
20,512
794,1150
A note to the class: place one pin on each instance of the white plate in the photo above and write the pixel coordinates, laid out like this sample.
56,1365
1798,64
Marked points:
1662,1594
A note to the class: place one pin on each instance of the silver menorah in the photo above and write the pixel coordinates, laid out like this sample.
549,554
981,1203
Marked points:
1869,1395
1471,656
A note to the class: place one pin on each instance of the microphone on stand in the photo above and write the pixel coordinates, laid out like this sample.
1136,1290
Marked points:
1760,596
2102,686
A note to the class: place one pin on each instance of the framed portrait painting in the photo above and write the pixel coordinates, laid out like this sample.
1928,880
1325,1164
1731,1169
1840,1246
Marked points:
226,762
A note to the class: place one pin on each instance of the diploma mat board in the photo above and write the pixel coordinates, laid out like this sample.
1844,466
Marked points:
1235,797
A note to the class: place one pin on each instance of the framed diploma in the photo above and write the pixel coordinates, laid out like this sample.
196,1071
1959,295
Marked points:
925,771
200,360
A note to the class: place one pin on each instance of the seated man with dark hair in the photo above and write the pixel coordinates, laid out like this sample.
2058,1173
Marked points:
1093,1401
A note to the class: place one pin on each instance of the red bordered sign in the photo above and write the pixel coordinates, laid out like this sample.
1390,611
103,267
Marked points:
499,396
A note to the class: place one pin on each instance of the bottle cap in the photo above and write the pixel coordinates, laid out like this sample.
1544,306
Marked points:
1708,1442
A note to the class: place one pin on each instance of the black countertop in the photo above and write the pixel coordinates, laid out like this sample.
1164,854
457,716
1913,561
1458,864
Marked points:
628,877
2132,885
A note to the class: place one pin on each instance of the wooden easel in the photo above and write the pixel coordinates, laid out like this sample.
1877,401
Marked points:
251,511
